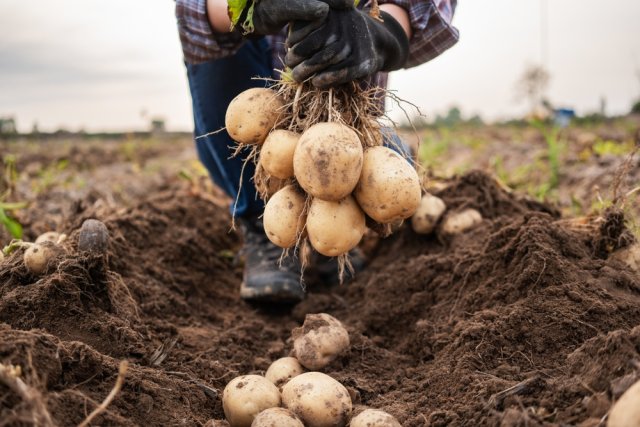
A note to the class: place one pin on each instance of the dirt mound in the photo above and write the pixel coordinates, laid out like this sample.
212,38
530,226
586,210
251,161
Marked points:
520,321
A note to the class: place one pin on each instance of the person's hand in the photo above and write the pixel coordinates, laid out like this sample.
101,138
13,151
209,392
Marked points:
348,45
270,16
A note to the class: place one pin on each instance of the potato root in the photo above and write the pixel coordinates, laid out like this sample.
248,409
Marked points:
251,115
276,417
335,228
389,187
282,370
318,400
246,396
460,222
276,155
428,214
374,418
284,216
328,160
319,341
626,411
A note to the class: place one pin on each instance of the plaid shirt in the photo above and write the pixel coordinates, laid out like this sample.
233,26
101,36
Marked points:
430,24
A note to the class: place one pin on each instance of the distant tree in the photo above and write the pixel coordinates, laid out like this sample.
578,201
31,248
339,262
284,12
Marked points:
452,118
533,85
635,109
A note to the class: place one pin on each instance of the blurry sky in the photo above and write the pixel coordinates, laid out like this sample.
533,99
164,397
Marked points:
112,64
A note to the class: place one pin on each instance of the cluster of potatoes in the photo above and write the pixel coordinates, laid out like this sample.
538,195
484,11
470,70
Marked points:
327,161
290,396
432,209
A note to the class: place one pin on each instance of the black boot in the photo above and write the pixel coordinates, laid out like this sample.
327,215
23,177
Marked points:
264,278
328,271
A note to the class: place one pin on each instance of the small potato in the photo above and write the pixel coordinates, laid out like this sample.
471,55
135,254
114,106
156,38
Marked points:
629,255
282,370
276,154
389,187
276,417
320,340
251,115
246,396
93,237
335,227
374,418
51,236
626,411
460,222
39,256
318,400
283,216
429,212
328,160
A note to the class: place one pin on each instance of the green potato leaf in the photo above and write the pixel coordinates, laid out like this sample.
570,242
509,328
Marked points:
236,9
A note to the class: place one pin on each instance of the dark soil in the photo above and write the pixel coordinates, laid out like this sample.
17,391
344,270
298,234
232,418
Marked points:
521,321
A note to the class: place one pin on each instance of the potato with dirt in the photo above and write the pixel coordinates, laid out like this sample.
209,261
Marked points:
276,154
428,214
276,417
318,400
93,237
335,228
389,187
51,236
246,396
252,115
626,411
461,222
284,217
39,257
282,370
319,341
374,418
328,160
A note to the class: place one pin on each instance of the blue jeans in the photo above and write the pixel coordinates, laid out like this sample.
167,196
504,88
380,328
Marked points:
213,85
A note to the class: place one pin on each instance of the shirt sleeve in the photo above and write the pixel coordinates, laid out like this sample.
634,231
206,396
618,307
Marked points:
199,42
431,26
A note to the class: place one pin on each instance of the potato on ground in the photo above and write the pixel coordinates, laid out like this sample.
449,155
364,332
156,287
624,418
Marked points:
39,257
318,400
335,228
276,154
282,370
50,236
428,214
276,417
460,222
374,418
629,255
246,396
626,411
283,216
328,160
251,115
93,237
389,187
319,341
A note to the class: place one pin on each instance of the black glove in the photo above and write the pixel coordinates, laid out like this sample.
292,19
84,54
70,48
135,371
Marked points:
348,45
270,16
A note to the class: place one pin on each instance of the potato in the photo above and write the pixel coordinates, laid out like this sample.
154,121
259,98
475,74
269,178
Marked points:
374,418
246,396
283,216
318,400
276,417
319,341
429,212
629,255
389,187
93,237
460,222
276,154
252,114
328,160
51,236
335,228
282,370
39,256
626,411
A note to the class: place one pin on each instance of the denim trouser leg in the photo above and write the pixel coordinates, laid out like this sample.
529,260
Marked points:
213,85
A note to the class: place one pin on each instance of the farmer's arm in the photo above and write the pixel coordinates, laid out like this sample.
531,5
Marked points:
429,22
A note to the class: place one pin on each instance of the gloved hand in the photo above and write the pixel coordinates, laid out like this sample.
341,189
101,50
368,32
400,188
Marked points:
270,16
348,45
